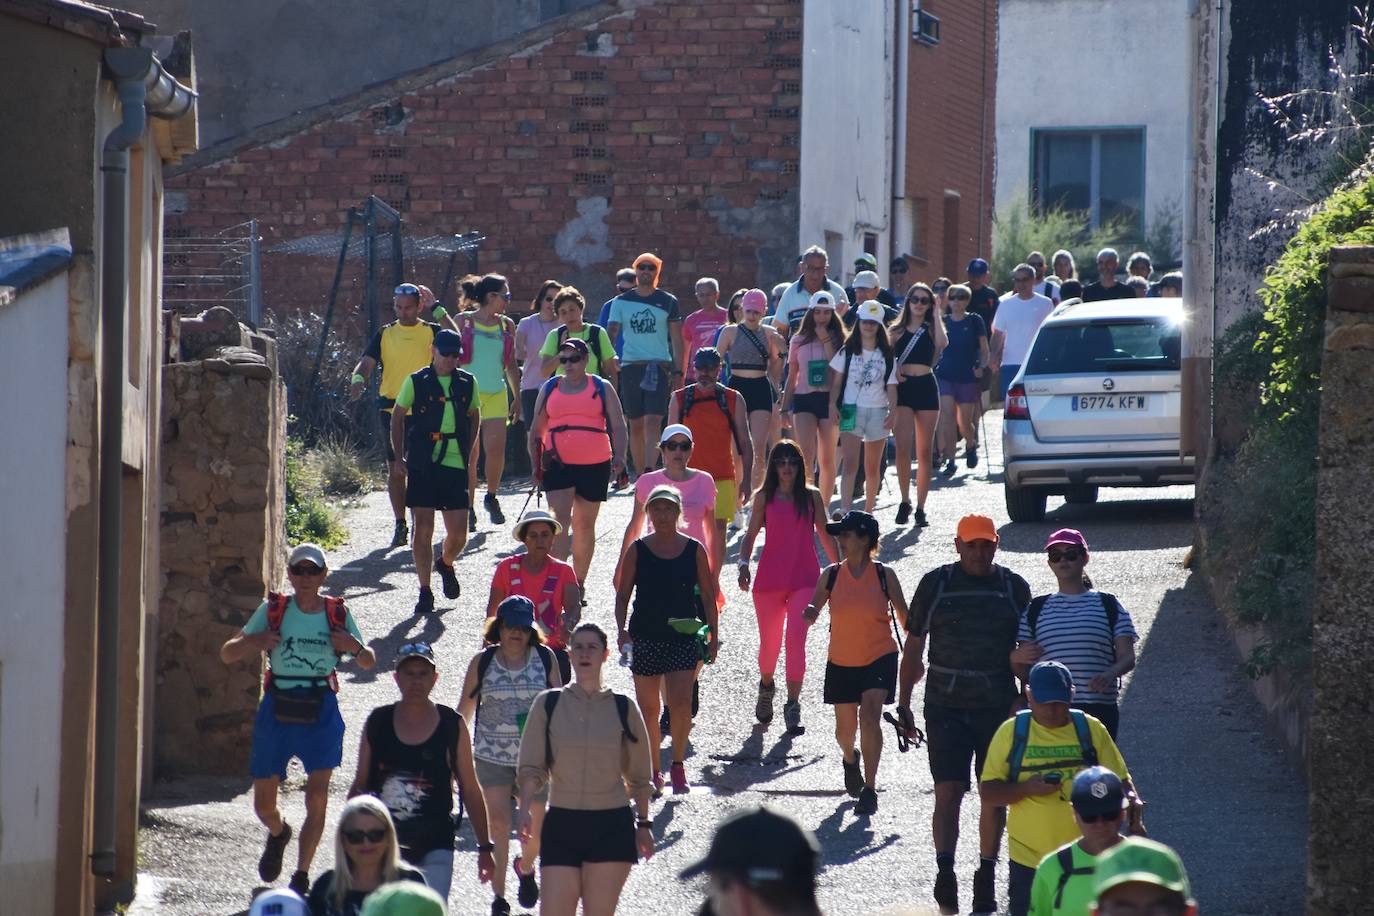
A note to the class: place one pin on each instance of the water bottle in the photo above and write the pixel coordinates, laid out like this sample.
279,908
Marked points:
627,654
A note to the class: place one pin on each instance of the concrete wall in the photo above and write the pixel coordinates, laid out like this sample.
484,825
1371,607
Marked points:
260,60
846,131
33,358
1090,63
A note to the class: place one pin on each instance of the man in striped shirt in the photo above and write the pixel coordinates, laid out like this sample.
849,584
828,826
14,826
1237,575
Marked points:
1086,630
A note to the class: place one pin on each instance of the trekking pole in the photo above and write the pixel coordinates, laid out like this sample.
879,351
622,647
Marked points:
534,488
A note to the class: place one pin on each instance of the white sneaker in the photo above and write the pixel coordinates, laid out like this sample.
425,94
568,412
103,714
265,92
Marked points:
737,522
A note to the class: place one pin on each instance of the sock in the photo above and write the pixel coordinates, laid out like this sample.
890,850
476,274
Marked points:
944,861
988,862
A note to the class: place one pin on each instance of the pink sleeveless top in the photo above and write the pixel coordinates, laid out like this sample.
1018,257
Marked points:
576,428
789,549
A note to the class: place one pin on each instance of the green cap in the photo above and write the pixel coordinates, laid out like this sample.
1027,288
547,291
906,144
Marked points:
403,898
1136,859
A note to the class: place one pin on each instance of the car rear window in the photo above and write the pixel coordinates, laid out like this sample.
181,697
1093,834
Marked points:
1142,345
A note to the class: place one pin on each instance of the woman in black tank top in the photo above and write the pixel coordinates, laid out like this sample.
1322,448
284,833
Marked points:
917,339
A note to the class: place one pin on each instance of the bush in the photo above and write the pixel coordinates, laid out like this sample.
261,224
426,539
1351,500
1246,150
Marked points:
340,468
308,516
318,404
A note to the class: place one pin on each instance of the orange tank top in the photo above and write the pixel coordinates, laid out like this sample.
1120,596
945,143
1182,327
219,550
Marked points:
712,437
859,633
576,431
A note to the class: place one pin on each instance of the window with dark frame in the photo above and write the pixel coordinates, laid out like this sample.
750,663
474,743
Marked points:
1100,172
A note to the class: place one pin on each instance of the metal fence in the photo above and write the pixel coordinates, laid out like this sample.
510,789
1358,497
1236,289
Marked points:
220,268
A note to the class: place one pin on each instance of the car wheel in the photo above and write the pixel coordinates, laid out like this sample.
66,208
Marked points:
1024,504
1082,495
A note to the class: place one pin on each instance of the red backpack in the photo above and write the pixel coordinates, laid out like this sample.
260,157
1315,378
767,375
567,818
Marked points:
334,612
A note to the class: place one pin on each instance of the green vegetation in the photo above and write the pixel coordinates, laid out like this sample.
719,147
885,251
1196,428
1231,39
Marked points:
308,516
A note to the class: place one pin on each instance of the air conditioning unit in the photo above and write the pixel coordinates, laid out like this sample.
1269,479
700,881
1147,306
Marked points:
925,27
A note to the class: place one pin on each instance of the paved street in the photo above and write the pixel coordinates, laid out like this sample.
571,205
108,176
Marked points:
1191,731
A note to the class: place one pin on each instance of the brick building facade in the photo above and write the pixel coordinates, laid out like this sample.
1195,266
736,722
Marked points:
670,127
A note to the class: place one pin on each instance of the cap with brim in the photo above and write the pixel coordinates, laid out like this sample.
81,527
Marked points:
307,553
1050,682
871,311
516,611
575,343
664,492
535,515
866,260
448,342
416,650
706,358
1144,861
977,528
867,279
977,266
821,299
759,845
755,300
403,898
1070,537
674,429
856,521
1097,791
278,902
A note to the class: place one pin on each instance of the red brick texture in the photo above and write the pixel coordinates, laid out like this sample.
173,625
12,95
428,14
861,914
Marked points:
676,113
950,137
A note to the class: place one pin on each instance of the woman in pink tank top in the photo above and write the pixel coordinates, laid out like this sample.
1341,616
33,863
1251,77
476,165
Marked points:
794,513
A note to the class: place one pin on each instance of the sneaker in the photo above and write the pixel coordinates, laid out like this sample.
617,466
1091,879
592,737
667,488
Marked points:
791,716
269,865
493,507
763,706
300,883
985,889
903,513
528,894
401,535
425,604
658,785
499,907
737,520
472,523
948,470
971,456
853,776
868,802
947,891
447,575
678,773
921,520
622,480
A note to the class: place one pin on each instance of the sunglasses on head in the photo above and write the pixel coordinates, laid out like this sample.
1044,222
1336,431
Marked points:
406,289
575,358
417,646
355,837
677,445
304,569
1071,553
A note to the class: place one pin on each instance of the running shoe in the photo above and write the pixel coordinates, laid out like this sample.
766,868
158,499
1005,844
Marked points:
868,802
528,894
300,883
853,776
903,513
401,535
658,785
791,716
425,604
947,891
493,507
499,907
269,866
971,456
921,520
763,706
985,889
622,480
948,470
447,574
679,776
472,521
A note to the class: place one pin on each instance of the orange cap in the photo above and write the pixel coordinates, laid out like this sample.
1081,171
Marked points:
977,528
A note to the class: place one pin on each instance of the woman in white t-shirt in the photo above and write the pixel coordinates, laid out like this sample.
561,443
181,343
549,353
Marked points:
864,387
530,335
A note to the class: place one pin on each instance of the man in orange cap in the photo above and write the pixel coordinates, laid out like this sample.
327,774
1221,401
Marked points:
969,612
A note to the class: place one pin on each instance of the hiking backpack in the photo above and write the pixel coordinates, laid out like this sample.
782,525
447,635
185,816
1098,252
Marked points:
469,331
1066,871
599,392
622,708
689,400
335,614
1021,734
594,332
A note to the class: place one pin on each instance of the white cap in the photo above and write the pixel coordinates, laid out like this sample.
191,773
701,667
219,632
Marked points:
822,299
871,311
867,279
278,903
666,492
310,553
674,429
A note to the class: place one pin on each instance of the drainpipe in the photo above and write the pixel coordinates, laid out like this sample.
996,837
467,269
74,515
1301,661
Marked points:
143,87
900,117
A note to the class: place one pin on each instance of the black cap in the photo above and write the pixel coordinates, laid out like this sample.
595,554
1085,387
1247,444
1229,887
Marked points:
1097,791
448,342
706,357
758,845
855,520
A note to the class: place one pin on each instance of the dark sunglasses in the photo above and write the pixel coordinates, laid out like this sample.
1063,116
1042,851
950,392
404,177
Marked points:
506,295
922,300
899,270
304,569
355,837
1100,818
549,298
676,446
786,461
565,360
938,289
1070,554
644,267
957,297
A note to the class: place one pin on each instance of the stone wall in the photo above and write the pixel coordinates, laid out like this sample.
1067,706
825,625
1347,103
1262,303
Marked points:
223,547
1339,878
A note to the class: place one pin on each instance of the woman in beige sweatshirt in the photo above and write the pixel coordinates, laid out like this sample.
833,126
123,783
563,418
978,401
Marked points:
590,745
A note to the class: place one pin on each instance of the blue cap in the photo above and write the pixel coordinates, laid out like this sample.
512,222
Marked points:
1051,682
516,611
1096,792
977,266
448,342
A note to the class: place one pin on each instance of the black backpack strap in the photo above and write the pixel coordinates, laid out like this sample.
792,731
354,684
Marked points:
546,656
882,572
844,376
622,708
550,703
1065,859
483,663
1112,608
940,582
1033,613
830,575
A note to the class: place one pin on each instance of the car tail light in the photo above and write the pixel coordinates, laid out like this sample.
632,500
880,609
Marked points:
1017,408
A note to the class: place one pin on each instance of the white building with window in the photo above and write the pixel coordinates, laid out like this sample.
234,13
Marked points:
1092,107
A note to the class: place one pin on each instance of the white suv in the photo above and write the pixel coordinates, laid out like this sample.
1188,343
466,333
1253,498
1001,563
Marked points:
1096,403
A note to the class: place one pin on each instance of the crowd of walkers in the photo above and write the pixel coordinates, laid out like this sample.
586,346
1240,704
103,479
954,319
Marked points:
746,416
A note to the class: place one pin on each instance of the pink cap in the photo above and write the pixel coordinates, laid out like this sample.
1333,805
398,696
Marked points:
754,300
1071,536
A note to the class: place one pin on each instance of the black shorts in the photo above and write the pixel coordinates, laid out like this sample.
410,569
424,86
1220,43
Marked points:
757,392
385,416
654,657
847,685
435,486
590,481
958,737
1108,713
571,837
528,397
919,393
816,403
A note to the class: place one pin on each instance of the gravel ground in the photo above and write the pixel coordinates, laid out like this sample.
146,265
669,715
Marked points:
1218,786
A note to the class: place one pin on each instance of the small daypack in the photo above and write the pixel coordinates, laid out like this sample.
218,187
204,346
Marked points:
622,708
1021,734
1066,871
1110,607
594,332
469,330
335,613
599,392
881,570
723,401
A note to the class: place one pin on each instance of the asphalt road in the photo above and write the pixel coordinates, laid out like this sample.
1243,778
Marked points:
1218,787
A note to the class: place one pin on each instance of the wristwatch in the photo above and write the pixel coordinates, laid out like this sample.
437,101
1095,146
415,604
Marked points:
486,847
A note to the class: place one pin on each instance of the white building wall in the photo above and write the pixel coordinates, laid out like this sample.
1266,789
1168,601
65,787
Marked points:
1094,63
33,368
846,130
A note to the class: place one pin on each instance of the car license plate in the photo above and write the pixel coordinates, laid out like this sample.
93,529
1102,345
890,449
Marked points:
1109,402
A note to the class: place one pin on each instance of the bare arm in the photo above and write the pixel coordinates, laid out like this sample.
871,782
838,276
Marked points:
675,338
746,547
828,544
536,433
999,343
364,368
912,668
467,703
707,584
619,433
465,771
743,437
894,592
398,430
941,338
242,645
1001,793
819,597
776,361
790,388
633,530
675,407
629,567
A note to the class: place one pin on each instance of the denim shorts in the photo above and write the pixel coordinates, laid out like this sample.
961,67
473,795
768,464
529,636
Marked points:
868,424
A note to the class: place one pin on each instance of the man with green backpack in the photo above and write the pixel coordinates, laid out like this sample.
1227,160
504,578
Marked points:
1031,763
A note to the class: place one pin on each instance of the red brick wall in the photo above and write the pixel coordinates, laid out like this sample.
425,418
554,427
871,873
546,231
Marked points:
673,130
950,136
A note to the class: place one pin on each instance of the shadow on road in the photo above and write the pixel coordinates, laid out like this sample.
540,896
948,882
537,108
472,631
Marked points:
1128,524
841,845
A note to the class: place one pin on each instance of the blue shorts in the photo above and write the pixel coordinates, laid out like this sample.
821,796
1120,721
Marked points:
318,746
